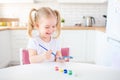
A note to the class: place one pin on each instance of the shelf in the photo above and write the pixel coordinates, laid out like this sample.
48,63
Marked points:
9,19
9,22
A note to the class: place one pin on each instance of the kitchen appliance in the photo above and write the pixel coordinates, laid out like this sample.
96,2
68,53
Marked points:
89,21
113,32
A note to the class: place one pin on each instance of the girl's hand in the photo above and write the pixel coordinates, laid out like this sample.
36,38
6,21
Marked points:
48,55
60,59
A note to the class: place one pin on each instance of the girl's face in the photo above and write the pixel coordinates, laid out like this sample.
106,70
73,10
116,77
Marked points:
47,26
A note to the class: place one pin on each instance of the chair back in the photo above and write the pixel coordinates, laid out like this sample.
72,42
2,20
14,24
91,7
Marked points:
65,52
24,57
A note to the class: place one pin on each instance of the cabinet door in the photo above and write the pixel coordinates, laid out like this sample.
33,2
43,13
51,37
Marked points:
90,46
81,44
16,1
5,51
82,1
101,46
74,39
19,40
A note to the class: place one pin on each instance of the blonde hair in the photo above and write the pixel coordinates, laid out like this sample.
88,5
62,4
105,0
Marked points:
43,12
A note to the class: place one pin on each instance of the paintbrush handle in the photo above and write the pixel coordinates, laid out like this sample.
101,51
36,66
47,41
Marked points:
46,49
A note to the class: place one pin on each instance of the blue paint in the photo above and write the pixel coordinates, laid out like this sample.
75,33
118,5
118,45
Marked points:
65,71
70,57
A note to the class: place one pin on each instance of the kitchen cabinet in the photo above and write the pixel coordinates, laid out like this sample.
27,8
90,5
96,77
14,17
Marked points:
112,56
82,1
74,39
10,44
16,1
101,48
90,46
81,44
19,40
5,51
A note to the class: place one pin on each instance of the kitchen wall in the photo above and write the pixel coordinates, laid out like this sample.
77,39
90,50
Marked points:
73,13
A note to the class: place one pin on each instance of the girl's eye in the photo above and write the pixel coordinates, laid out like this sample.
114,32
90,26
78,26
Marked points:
47,27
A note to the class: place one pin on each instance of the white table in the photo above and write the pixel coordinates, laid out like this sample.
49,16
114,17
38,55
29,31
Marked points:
46,71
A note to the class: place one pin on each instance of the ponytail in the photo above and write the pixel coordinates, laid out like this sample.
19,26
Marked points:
31,22
58,25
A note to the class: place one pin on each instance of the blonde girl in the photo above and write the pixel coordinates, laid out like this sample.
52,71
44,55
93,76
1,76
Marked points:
47,22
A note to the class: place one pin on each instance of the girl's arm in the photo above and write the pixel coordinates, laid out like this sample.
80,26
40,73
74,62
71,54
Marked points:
34,58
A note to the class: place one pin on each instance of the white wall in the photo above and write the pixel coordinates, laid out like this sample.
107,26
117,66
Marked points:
72,13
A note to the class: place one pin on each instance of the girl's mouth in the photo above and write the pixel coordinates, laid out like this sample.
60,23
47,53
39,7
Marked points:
48,33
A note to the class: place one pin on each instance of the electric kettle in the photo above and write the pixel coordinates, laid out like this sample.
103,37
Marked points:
89,21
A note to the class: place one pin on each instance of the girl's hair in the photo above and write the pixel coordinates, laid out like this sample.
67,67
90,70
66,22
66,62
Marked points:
43,12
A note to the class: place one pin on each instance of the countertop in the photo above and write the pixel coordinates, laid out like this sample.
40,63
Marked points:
63,28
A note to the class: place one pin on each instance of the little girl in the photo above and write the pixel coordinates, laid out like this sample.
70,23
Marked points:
44,46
